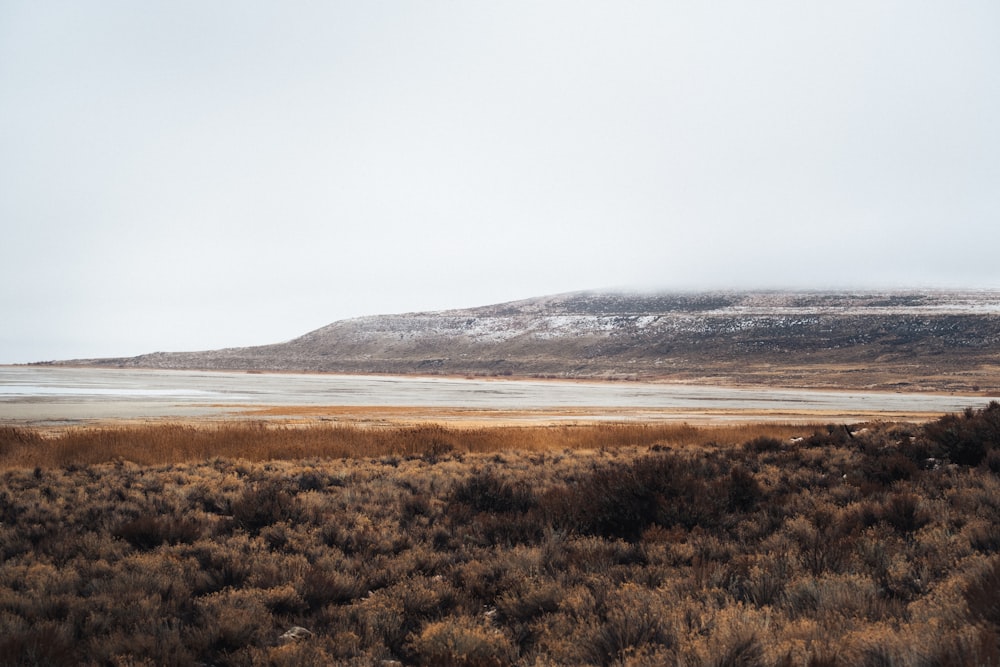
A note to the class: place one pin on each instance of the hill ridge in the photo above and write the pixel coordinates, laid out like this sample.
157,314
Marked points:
891,339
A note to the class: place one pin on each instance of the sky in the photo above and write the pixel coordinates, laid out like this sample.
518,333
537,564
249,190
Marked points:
188,175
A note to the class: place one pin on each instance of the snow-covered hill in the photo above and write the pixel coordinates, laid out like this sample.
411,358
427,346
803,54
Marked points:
928,340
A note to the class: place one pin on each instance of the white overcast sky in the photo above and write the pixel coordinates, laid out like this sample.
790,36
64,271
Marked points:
181,175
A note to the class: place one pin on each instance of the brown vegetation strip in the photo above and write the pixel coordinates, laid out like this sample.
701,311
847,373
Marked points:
160,444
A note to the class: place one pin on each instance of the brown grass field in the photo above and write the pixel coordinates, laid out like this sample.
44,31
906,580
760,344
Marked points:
257,441
394,543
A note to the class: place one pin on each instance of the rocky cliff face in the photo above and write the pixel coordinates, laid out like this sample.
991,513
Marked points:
928,340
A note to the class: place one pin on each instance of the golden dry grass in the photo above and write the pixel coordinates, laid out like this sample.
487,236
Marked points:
161,444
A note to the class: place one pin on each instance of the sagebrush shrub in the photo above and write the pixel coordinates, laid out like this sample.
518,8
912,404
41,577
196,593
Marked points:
883,466
982,594
831,435
45,643
743,652
965,439
630,618
485,491
530,600
742,491
461,642
623,500
323,585
902,511
147,532
762,444
264,505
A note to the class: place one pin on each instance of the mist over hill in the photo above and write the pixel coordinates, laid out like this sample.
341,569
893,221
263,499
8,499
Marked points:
931,340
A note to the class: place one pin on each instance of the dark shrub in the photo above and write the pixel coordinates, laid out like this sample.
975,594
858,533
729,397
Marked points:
744,652
827,547
982,594
492,529
414,506
986,538
921,451
614,502
622,500
760,587
884,466
210,499
836,434
219,569
992,461
623,629
488,510
743,490
978,648
149,532
312,480
965,439
876,656
824,660
262,506
8,508
901,511
44,644
484,491
762,444
534,601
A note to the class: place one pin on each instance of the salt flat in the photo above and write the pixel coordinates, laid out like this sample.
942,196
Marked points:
39,395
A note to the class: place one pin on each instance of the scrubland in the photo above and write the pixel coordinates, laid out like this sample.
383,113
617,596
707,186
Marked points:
871,544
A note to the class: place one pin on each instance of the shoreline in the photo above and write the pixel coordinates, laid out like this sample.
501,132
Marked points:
65,397
663,380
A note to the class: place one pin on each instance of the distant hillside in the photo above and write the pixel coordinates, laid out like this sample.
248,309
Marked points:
915,340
